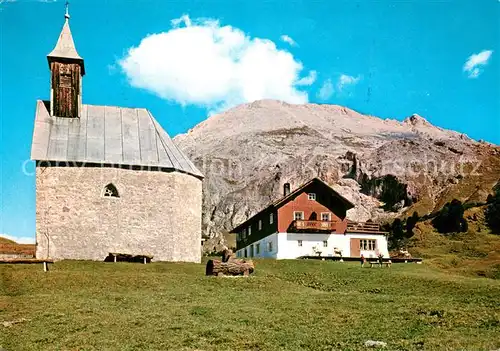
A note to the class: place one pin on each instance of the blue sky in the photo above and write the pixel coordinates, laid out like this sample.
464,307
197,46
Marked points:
439,59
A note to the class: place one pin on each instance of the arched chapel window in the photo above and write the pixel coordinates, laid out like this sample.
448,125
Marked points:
110,191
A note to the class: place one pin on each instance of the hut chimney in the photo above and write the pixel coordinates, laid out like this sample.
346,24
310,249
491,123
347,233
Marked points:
286,189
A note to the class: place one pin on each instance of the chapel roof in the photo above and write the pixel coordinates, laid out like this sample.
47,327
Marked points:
107,135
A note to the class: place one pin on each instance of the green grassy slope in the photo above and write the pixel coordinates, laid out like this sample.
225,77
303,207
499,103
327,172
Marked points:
286,305
6,241
476,252
478,180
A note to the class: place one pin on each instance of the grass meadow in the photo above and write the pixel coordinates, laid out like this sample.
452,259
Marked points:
285,305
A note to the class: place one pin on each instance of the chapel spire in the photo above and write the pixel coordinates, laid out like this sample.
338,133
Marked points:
67,69
65,47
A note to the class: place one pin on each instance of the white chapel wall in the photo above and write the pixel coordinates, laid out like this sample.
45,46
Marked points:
157,213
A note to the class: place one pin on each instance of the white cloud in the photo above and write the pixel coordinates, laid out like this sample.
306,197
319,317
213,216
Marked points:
19,240
184,19
473,64
326,90
289,40
202,63
346,80
311,78
342,84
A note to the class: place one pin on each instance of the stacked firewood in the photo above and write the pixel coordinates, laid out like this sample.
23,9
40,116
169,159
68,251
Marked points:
229,265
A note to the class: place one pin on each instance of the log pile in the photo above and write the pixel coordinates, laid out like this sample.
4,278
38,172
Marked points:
229,266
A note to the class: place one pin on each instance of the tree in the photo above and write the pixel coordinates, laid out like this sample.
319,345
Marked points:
492,212
397,229
396,233
410,224
451,218
490,199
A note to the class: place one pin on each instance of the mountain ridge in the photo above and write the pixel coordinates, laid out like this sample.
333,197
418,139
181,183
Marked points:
248,152
412,123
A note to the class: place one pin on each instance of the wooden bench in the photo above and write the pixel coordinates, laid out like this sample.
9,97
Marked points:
44,261
129,258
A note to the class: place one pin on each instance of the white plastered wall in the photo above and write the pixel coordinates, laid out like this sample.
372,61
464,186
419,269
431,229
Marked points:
286,245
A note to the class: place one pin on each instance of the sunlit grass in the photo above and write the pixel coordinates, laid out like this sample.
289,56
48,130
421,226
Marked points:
286,305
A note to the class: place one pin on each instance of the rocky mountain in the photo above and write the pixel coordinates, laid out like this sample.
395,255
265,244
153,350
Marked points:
386,167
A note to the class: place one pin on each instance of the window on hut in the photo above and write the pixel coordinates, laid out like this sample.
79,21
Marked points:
299,242
298,215
260,224
271,218
311,196
369,245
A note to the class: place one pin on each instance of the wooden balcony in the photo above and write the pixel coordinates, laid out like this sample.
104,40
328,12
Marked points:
364,227
313,226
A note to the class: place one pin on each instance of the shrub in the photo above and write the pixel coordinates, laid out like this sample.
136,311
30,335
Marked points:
410,224
396,233
492,212
451,218
397,229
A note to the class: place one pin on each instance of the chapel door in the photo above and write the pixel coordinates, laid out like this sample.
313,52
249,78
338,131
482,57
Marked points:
355,251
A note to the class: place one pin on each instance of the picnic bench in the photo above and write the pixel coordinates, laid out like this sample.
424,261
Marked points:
44,261
381,264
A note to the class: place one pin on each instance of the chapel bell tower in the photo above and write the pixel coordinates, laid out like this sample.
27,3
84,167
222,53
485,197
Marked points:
66,72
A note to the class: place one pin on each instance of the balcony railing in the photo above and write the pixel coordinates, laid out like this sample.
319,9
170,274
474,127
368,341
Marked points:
314,225
363,227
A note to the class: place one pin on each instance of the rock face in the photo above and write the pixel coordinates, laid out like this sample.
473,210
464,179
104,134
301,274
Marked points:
385,167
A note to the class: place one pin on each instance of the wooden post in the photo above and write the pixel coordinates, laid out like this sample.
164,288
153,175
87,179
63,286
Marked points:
45,266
